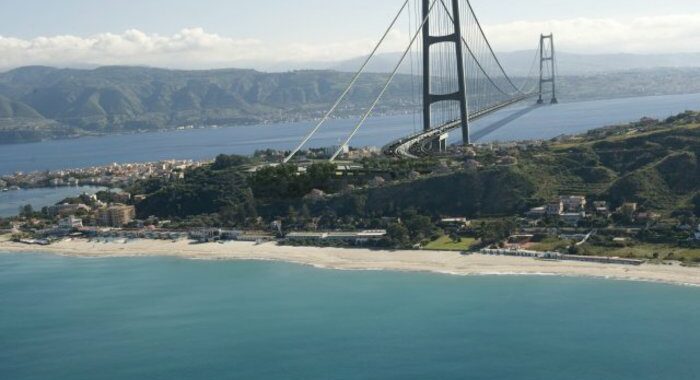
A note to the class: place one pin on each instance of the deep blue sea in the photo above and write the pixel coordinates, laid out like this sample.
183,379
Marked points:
170,319
540,123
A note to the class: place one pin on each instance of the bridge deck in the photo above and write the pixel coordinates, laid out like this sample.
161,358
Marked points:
413,145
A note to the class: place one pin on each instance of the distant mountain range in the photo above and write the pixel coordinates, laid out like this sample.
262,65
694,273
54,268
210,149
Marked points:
518,63
114,99
44,103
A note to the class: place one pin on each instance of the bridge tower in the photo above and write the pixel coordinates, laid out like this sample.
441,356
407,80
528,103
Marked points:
547,67
461,95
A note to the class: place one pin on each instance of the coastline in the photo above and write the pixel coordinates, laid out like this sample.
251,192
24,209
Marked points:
451,263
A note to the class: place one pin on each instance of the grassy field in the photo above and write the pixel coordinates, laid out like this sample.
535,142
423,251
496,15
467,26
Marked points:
639,250
550,244
645,251
444,243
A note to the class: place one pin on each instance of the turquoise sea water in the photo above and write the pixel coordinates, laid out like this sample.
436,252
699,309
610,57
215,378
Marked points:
158,318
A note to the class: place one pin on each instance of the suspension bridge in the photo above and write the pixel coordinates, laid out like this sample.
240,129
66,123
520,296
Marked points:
462,78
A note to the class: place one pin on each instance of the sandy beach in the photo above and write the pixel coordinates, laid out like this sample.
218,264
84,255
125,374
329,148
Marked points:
362,259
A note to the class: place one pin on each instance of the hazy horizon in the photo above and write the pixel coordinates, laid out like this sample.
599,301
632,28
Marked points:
569,64
218,34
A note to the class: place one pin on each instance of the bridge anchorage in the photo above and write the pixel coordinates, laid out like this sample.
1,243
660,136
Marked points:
462,78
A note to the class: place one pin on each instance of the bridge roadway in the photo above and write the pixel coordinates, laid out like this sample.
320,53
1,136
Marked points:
413,146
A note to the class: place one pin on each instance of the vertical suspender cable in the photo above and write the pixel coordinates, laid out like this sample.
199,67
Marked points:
386,86
347,90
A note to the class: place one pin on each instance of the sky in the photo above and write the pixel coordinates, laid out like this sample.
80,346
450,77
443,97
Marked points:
223,33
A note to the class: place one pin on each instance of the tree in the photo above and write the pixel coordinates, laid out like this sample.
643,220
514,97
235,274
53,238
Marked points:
26,211
305,214
496,231
286,182
574,249
292,215
419,226
454,236
230,214
358,204
249,204
224,161
397,236
320,176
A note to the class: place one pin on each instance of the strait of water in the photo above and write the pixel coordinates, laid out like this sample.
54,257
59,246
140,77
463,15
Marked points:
540,123
158,318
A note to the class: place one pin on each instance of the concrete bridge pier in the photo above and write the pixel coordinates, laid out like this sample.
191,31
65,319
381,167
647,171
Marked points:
439,143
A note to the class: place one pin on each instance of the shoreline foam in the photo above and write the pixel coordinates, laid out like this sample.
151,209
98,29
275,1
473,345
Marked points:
447,263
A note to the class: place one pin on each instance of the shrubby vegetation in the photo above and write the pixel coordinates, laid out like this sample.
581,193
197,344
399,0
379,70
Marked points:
652,163
286,182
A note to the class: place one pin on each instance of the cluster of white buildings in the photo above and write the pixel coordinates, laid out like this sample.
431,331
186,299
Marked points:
357,237
571,209
111,175
109,215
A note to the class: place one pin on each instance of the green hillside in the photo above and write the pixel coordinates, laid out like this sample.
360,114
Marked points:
113,99
654,164
12,109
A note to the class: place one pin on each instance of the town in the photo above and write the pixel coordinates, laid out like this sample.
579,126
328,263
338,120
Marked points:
569,195
113,176
552,231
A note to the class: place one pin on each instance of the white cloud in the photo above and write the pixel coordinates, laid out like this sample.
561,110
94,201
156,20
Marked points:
657,34
190,48
196,48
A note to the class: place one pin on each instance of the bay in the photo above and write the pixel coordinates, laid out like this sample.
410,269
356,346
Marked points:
161,318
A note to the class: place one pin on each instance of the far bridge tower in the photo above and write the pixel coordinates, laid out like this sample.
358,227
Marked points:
548,72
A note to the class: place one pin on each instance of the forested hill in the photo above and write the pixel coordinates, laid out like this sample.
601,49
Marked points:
114,99
652,163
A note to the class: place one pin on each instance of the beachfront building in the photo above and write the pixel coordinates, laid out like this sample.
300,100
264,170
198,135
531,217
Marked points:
357,237
116,215
67,209
455,222
70,222
205,234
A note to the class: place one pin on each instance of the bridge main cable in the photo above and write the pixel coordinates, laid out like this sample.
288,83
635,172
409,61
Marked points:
493,54
488,44
386,85
349,87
